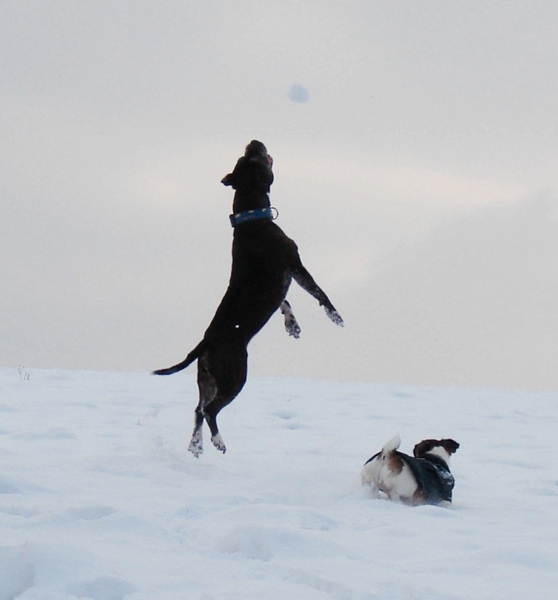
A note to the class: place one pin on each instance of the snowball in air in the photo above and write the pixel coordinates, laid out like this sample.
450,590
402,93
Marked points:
298,93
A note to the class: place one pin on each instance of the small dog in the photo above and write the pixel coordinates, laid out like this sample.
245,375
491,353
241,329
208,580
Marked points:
264,261
424,479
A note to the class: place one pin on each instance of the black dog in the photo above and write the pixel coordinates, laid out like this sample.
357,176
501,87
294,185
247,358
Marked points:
264,261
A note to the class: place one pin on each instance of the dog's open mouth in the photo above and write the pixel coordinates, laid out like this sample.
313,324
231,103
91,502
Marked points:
270,160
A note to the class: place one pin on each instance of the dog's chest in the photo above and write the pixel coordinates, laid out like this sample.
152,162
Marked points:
262,244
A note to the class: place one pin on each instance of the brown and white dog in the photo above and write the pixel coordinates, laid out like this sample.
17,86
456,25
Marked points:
422,479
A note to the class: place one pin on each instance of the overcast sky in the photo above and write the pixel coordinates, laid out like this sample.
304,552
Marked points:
419,180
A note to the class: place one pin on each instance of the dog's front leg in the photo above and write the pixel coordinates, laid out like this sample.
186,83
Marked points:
306,282
374,491
291,324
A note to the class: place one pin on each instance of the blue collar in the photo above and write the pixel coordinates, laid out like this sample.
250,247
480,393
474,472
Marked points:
253,215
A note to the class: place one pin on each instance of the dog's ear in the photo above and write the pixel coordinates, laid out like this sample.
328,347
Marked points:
422,448
228,180
450,445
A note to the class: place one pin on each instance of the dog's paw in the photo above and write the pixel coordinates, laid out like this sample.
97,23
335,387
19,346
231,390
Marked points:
196,444
218,443
335,316
293,329
291,325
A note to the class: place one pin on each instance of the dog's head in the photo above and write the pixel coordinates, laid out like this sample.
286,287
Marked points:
252,172
448,446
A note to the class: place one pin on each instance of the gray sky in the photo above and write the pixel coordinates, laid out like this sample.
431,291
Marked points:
419,181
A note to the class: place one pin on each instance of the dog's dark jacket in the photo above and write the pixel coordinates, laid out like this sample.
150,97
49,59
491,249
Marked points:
432,475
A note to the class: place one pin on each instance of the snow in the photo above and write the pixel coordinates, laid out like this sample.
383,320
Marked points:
100,499
298,93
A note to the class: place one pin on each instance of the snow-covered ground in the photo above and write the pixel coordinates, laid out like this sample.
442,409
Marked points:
100,499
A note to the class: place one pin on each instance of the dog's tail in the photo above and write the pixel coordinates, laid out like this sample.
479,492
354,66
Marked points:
391,446
192,356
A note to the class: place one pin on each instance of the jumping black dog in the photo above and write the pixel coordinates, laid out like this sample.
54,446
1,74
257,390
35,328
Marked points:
264,261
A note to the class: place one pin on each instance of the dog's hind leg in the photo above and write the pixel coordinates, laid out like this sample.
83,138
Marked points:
196,443
229,369
306,282
222,372
216,438
207,390
291,324
210,413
